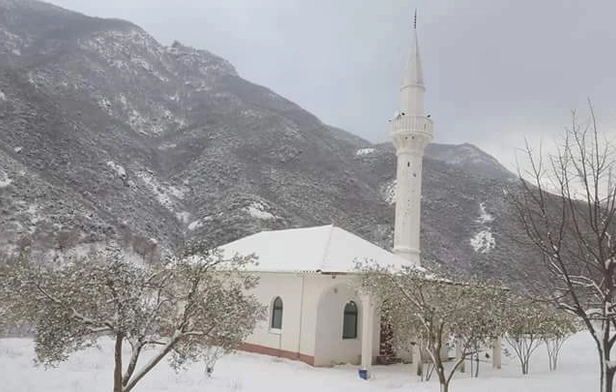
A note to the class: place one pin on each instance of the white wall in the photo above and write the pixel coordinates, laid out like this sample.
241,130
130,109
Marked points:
330,346
312,317
288,288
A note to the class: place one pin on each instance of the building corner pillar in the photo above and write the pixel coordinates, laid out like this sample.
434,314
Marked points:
367,334
496,353
459,355
417,358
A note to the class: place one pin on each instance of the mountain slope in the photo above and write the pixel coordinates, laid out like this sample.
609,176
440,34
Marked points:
107,133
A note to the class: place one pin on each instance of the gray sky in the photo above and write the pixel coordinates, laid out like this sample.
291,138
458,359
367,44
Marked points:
496,70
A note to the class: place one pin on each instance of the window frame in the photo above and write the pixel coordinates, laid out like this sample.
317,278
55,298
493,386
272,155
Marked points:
350,313
273,325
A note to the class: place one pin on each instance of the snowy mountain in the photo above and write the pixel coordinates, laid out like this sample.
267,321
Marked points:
106,132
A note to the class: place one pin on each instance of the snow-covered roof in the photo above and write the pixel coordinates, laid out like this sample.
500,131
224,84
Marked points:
312,249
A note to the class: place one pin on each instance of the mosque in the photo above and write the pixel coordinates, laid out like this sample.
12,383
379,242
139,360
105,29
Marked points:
314,313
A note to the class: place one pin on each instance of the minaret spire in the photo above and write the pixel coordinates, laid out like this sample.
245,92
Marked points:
411,133
414,71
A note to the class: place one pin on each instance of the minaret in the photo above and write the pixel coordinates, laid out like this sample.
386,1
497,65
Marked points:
411,133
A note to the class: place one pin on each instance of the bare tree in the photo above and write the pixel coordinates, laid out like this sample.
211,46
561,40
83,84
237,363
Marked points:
184,307
428,311
567,205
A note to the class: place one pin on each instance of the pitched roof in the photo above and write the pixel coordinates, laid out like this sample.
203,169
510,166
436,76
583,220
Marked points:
311,249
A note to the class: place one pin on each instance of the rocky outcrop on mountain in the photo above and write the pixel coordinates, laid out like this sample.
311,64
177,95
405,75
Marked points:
104,132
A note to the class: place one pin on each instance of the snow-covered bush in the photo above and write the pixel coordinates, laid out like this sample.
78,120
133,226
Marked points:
529,324
525,329
560,327
185,305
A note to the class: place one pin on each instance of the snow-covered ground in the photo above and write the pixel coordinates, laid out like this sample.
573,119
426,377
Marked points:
91,371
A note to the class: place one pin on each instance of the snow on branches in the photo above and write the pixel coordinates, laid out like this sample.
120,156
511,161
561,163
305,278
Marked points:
566,205
427,311
182,306
528,325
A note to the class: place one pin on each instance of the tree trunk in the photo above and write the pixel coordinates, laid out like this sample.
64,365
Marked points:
607,378
553,349
149,366
130,369
440,370
607,368
117,371
607,371
554,362
524,362
443,381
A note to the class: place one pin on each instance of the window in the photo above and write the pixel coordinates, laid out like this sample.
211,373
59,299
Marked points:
277,314
349,326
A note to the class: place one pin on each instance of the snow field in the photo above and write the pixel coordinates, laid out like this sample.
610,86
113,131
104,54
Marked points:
91,370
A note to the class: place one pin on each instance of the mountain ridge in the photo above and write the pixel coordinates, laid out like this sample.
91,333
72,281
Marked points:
108,133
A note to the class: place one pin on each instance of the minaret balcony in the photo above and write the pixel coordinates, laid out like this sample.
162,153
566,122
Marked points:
407,129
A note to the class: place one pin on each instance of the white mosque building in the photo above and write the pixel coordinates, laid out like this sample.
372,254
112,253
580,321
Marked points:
315,315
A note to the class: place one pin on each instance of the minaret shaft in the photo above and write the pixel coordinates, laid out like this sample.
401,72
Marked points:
412,97
411,133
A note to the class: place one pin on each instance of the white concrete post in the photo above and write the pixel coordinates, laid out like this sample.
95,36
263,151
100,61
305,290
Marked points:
496,353
367,335
462,367
417,359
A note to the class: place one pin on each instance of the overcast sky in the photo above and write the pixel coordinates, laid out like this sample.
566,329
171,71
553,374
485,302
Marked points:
496,71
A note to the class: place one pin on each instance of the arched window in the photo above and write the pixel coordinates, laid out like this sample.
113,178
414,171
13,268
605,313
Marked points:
349,326
276,322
